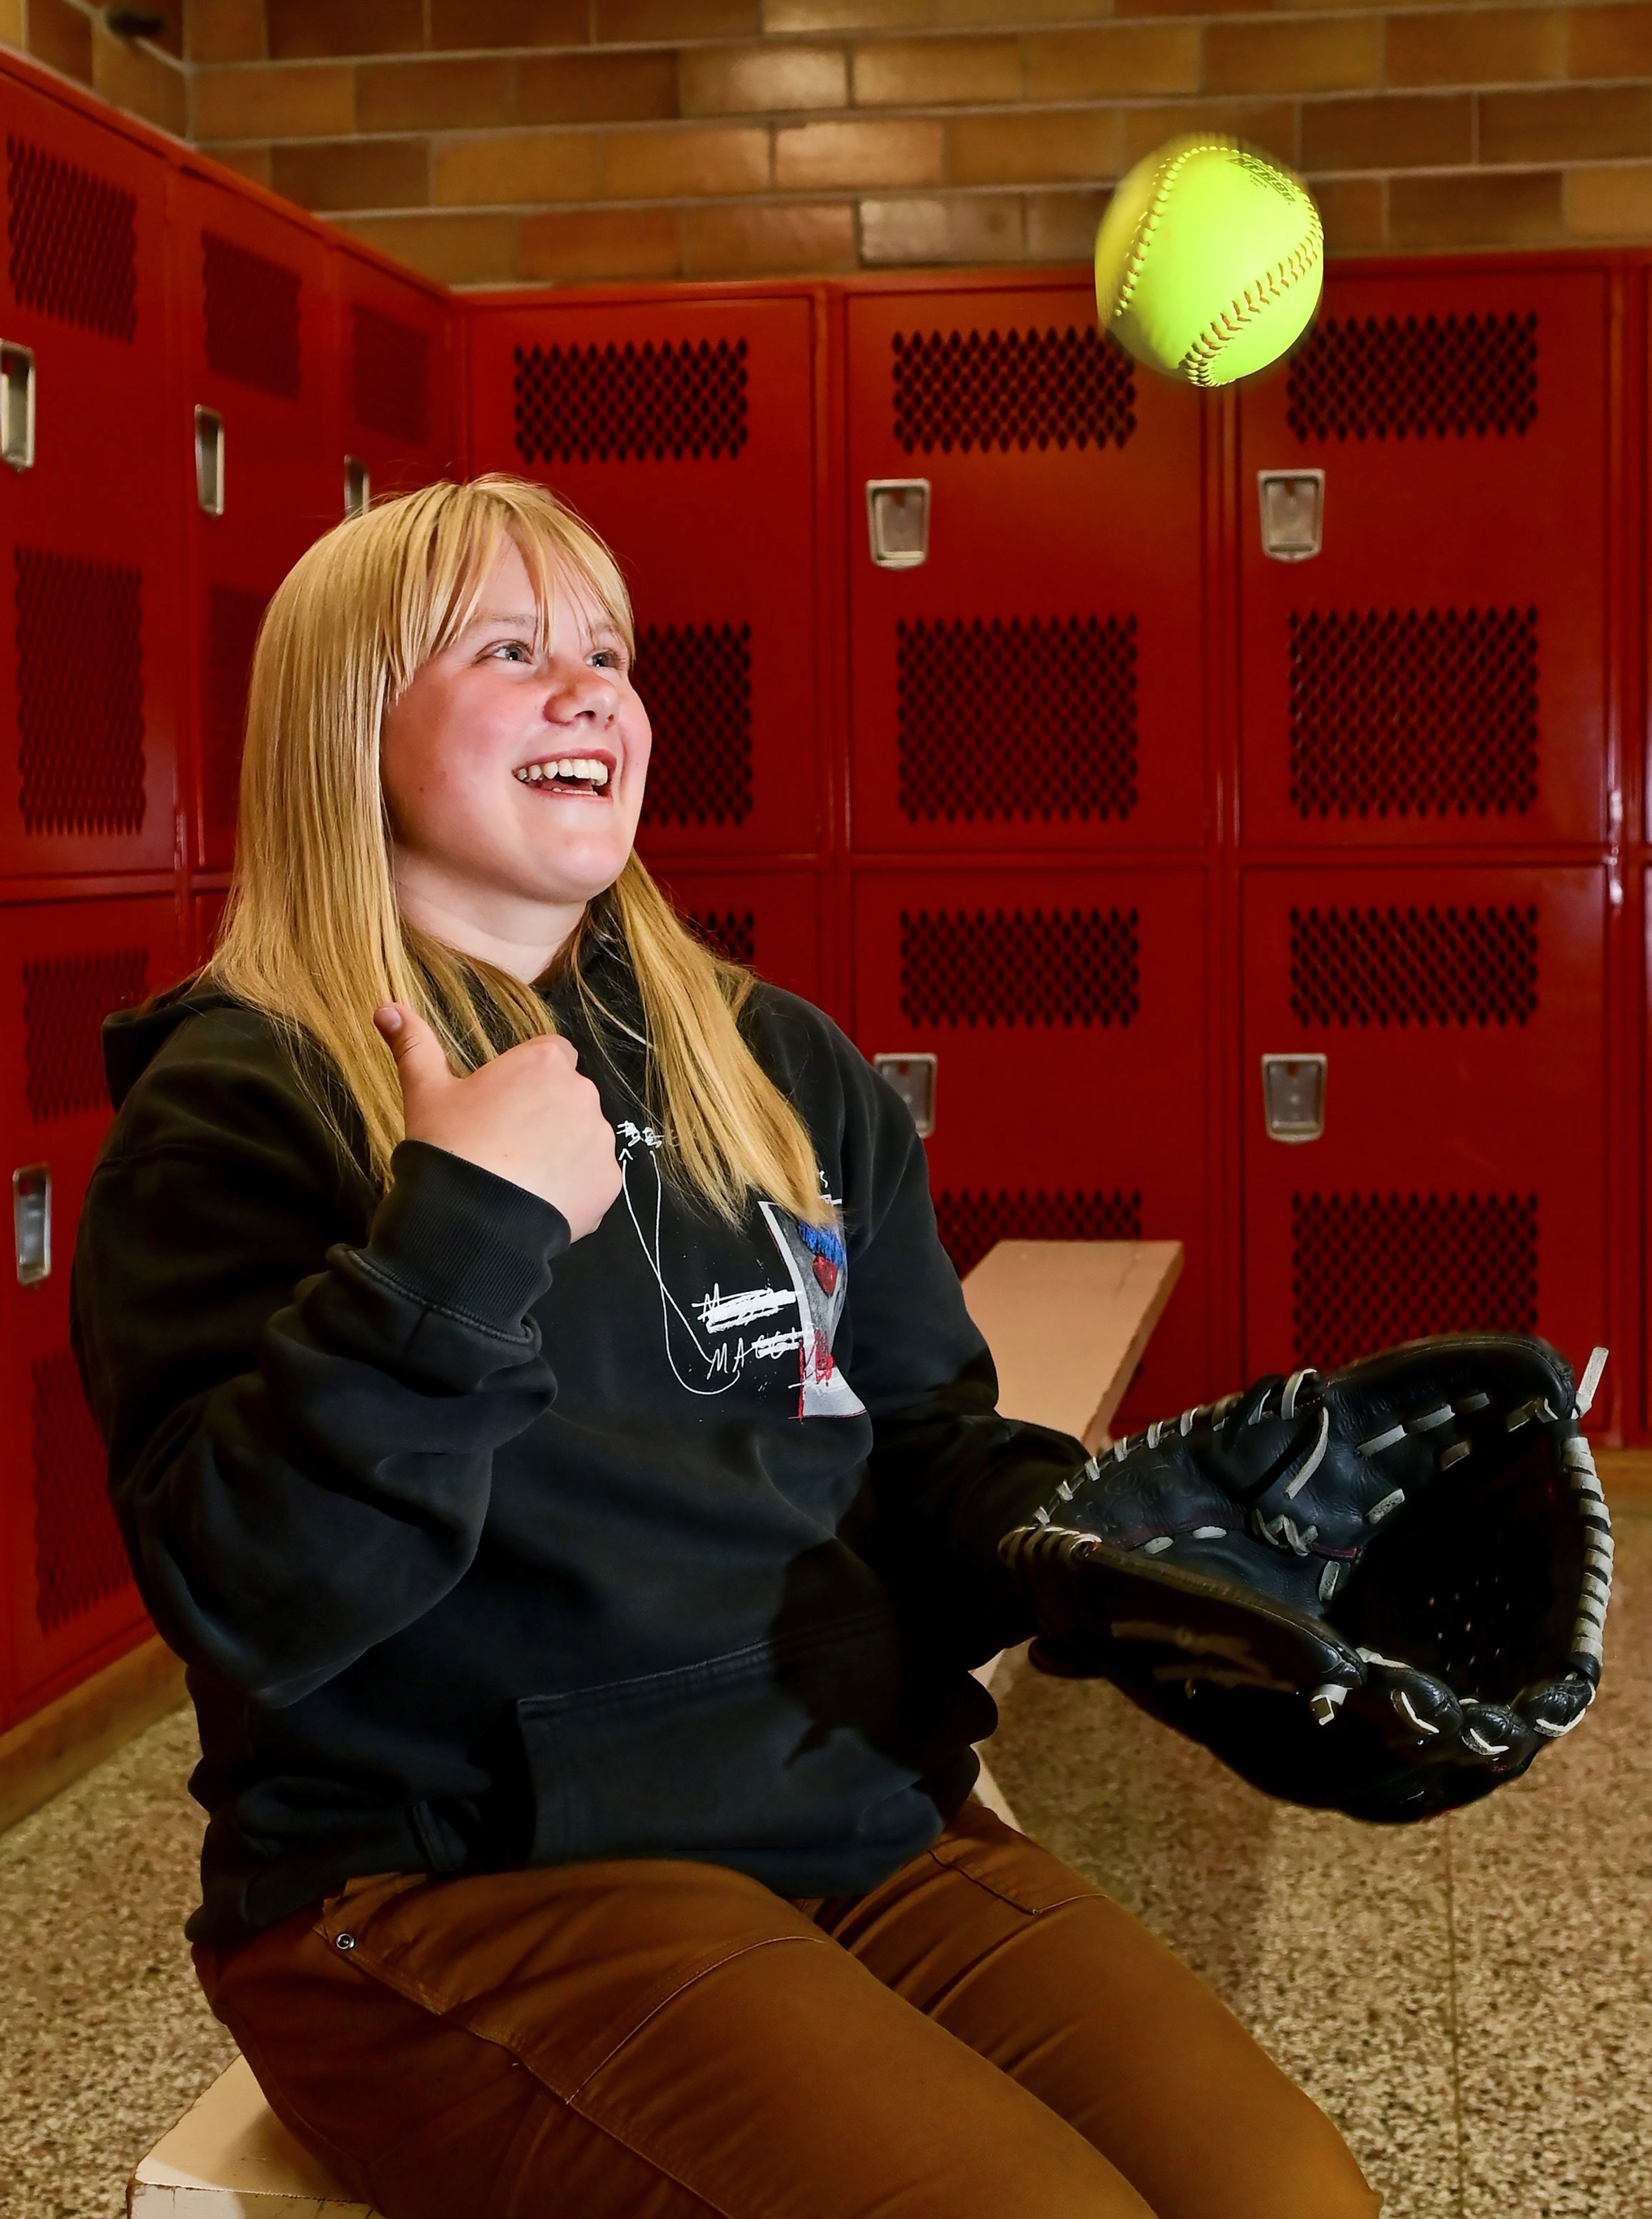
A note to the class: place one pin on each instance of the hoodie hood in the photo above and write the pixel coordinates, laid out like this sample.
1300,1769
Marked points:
133,1038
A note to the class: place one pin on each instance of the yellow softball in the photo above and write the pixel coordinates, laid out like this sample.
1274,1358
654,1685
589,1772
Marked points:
1208,261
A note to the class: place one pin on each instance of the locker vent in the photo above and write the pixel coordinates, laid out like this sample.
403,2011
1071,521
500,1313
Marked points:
79,1558
1424,377
730,932
73,242
1063,967
1007,389
251,317
65,1000
950,719
1452,967
1371,1270
631,404
972,1224
232,619
389,377
696,682
80,722
1430,712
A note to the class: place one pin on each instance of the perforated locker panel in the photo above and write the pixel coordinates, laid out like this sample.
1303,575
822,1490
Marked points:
260,351
1037,681
207,913
682,429
1460,1179
64,967
770,919
395,343
90,601
1437,673
1065,1010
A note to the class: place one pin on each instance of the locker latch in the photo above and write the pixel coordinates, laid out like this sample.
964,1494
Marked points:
16,406
898,522
1292,512
1293,1096
210,460
913,1078
31,1219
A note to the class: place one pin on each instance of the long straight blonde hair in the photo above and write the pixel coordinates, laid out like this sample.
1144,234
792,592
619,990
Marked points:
313,935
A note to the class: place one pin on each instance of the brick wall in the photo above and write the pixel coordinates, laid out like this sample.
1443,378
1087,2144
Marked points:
488,142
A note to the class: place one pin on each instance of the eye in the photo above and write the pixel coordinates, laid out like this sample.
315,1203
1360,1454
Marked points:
609,658
509,650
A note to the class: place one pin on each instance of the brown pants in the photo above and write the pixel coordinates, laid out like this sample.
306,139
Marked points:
984,2036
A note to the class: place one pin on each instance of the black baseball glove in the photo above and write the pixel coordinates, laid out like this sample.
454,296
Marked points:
1377,1590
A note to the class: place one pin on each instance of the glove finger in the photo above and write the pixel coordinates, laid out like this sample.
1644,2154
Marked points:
1411,1711
1495,1735
1553,1707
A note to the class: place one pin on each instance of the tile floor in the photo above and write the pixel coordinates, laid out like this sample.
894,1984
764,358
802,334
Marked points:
1472,2000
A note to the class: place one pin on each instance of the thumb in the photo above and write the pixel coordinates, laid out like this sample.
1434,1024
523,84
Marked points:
420,1063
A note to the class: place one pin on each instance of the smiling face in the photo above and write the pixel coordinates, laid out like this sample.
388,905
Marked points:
513,770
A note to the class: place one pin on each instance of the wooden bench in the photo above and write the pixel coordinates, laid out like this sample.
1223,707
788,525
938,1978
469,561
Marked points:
1066,1321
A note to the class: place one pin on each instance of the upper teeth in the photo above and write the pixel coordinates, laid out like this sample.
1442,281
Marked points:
565,767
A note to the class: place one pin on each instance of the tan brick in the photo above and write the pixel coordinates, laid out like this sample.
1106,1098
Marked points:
1125,8
597,88
1340,51
129,76
965,228
1353,212
1133,58
516,166
455,249
1394,131
442,95
301,30
1577,123
1609,41
1613,203
61,37
746,80
1489,45
622,22
508,23
848,15
13,31
928,72
799,240
1061,227
355,173
252,162
224,30
853,154
589,245
1498,208
649,165
1269,125
1034,147
300,100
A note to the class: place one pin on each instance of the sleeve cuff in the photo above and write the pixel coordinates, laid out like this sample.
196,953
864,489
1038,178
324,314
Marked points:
463,1238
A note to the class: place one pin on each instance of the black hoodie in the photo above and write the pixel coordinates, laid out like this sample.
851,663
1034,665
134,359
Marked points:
485,1549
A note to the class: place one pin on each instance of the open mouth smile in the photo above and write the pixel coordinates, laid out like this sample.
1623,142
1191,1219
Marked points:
566,775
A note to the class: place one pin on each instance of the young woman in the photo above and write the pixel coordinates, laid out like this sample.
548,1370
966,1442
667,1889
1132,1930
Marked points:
542,1413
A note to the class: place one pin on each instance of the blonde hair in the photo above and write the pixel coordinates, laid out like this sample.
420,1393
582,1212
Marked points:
313,935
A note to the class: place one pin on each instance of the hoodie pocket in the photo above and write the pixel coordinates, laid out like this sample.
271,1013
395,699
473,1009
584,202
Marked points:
766,1749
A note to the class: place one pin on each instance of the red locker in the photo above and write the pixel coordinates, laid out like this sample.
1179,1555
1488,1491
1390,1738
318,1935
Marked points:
683,430
1065,1010
1459,1180
91,639
1439,671
771,919
395,346
1035,680
259,358
64,967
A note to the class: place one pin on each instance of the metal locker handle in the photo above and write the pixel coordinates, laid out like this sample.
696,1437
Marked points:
358,486
210,460
31,1221
898,522
16,406
913,1078
1293,1096
1293,513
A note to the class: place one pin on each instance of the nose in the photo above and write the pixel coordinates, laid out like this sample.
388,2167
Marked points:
574,690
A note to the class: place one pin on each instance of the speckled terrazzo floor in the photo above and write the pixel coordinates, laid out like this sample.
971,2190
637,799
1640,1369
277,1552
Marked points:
1471,2000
